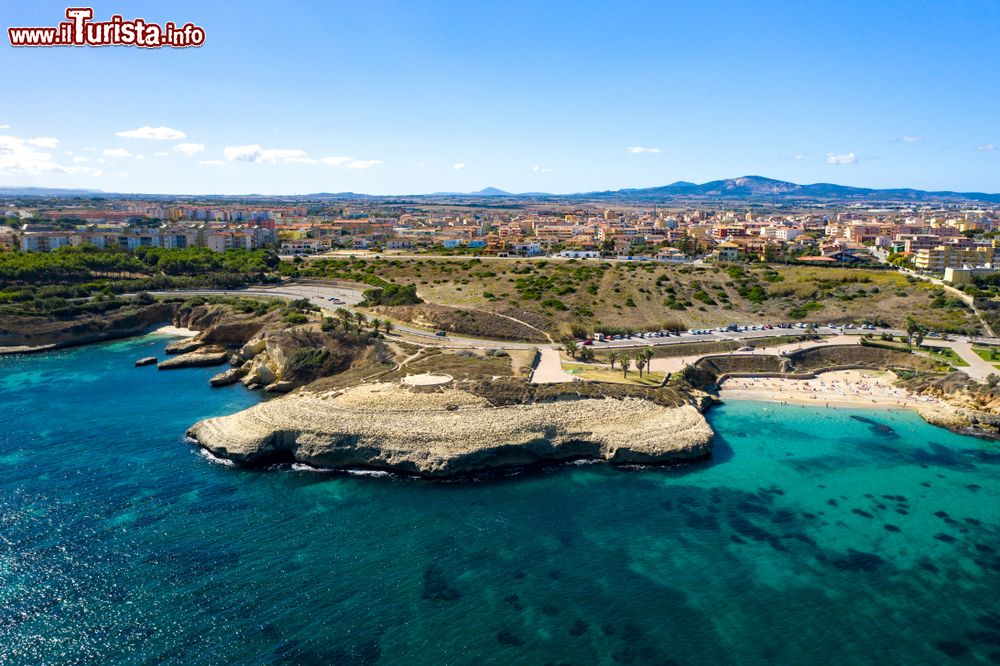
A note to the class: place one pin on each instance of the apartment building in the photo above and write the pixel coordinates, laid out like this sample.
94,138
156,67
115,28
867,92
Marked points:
937,259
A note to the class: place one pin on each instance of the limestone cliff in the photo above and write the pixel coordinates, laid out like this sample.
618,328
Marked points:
47,332
451,432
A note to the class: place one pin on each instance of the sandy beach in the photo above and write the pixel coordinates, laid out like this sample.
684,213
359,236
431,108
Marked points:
844,388
175,330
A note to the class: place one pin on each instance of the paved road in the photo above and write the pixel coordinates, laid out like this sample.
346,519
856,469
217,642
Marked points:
978,368
549,369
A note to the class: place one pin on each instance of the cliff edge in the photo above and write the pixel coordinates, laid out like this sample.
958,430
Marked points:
451,432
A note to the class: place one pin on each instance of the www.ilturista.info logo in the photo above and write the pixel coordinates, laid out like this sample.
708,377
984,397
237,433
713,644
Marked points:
80,30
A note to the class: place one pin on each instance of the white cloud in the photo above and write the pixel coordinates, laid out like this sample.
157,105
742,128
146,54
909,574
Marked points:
250,153
363,164
841,158
97,173
90,149
910,139
638,150
538,169
140,157
18,157
116,152
457,166
798,157
989,147
336,161
44,142
254,153
162,153
158,133
189,149
211,162
81,160
4,126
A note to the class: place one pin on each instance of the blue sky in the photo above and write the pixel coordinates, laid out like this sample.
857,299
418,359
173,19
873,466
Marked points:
410,97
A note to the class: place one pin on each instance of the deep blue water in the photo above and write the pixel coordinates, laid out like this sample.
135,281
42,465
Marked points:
811,537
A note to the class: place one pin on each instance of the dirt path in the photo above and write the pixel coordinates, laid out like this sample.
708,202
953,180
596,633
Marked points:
515,320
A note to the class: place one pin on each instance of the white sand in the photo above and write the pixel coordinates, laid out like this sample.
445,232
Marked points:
176,331
847,388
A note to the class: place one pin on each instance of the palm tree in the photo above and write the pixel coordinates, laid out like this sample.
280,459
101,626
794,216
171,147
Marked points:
387,326
626,362
911,327
376,324
612,358
360,319
571,347
646,355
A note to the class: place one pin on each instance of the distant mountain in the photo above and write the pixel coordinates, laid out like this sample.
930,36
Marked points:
758,188
490,192
485,192
47,192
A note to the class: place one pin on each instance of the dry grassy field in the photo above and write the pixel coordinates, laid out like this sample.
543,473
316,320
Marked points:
555,296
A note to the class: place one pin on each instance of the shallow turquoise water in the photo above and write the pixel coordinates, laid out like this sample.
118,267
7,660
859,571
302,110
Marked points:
811,537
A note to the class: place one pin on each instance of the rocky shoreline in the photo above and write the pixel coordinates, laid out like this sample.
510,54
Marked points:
451,432
33,335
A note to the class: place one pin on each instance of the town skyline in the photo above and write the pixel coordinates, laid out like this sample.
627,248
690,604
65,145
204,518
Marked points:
522,98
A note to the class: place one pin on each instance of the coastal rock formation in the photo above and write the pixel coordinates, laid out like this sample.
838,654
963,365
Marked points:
960,403
194,359
285,359
227,377
183,346
25,334
451,432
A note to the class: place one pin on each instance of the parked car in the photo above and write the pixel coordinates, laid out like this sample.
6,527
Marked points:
441,334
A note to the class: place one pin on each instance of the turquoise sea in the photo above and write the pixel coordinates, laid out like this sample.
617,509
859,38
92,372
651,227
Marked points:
811,537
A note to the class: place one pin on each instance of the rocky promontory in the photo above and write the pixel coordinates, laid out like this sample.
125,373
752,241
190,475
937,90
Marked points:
202,357
450,432
36,333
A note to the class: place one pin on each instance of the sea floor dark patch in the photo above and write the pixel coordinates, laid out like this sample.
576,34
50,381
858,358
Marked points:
509,638
436,586
877,428
856,560
952,648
